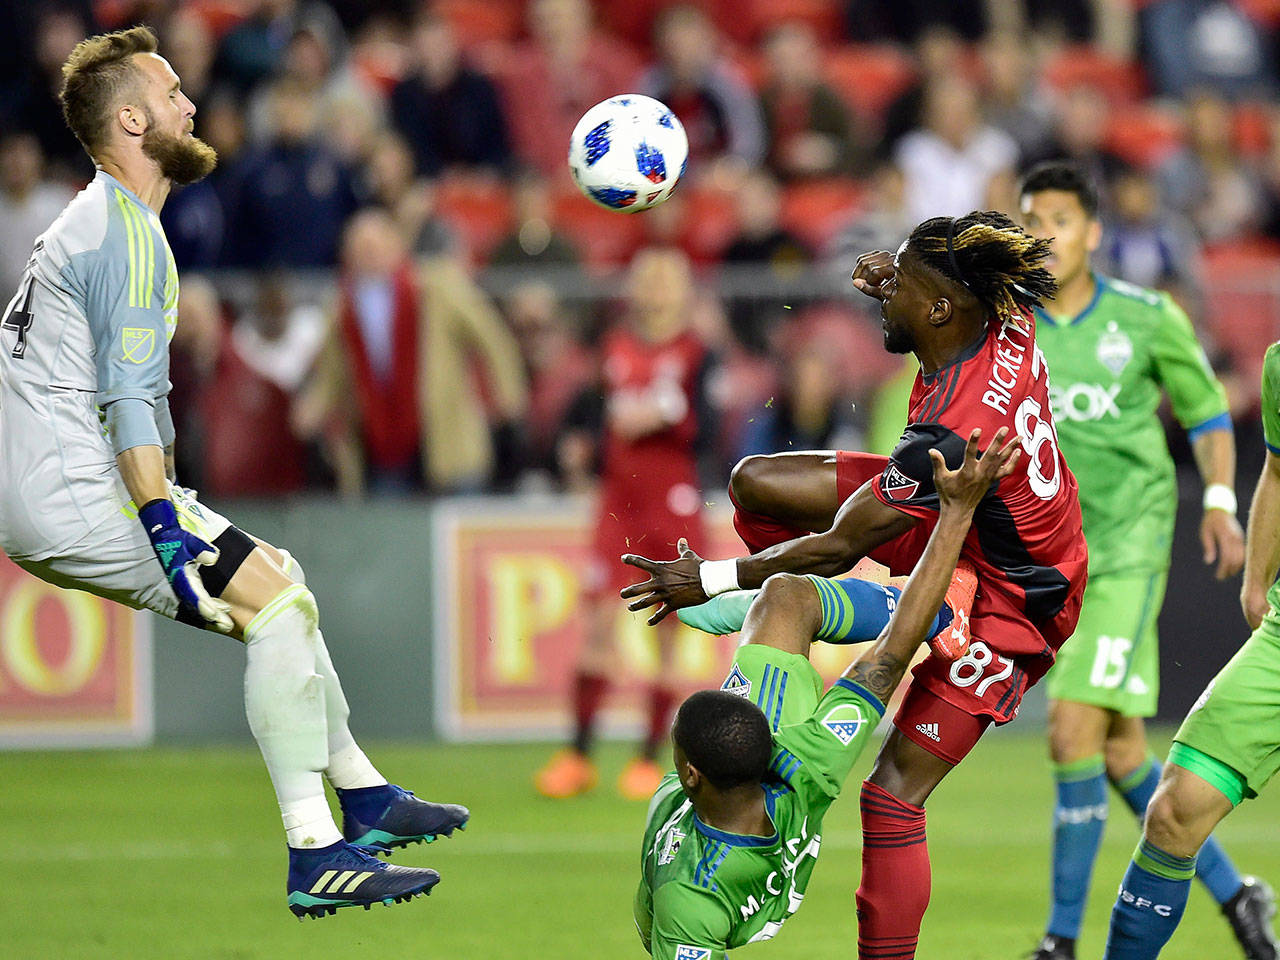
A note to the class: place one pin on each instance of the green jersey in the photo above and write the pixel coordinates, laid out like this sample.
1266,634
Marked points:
1108,367
704,891
1271,426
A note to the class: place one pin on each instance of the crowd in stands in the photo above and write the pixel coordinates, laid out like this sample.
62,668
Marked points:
391,285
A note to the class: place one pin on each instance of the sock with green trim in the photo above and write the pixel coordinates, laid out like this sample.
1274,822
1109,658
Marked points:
1153,895
1213,867
1079,816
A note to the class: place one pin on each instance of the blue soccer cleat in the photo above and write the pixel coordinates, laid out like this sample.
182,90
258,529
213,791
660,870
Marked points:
340,875
378,819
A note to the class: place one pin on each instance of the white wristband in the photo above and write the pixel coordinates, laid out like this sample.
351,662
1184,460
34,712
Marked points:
1218,496
718,576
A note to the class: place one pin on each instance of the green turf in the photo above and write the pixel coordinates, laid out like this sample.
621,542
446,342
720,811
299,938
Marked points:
178,854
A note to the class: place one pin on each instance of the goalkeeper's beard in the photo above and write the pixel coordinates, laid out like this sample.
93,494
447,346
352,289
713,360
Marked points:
182,158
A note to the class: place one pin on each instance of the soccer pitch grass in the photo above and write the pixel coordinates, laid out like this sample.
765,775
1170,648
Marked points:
178,853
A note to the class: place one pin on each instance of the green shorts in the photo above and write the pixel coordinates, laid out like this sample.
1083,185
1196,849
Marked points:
1112,660
1236,722
784,685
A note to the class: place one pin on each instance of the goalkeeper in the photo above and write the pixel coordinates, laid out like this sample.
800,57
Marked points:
733,834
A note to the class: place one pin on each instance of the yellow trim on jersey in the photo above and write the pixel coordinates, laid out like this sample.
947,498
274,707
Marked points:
142,252
130,232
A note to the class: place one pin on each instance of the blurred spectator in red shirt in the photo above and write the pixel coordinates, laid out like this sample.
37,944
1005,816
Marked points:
1206,180
397,390
952,161
809,128
29,203
447,111
654,367
551,80
250,447
711,98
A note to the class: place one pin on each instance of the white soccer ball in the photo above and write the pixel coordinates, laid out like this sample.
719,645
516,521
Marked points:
628,152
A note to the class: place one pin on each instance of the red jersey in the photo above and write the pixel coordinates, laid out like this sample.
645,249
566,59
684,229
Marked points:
1026,541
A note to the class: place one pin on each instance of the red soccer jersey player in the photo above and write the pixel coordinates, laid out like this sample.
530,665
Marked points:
653,368
957,295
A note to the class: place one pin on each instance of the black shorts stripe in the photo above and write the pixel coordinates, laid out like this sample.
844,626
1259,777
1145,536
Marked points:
234,547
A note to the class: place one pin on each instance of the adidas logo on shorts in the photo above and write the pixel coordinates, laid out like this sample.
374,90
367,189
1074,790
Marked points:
930,730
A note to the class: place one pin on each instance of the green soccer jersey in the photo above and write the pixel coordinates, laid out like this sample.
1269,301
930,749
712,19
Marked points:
1107,370
704,891
1271,426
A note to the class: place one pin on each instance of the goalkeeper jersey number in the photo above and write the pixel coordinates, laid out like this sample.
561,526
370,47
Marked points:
704,891
1108,368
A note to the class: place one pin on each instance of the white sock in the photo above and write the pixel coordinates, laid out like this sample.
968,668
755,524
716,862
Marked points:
348,767
284,701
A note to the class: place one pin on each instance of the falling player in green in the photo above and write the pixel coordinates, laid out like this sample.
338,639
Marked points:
1228,747
1113,349
733,834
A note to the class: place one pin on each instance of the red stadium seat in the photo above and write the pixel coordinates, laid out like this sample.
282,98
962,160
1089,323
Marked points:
481,21
816,210
1144,134
869,77
709,222
479,209
856,344
1242,296
606,239
1121,81
754,18
1252,129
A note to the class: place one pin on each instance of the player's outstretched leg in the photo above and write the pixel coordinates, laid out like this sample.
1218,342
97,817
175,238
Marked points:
339,875
376,816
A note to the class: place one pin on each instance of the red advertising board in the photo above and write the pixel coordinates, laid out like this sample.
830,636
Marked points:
74,669
510,618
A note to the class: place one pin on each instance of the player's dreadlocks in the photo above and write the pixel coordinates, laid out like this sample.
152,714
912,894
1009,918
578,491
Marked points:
726,737
990,255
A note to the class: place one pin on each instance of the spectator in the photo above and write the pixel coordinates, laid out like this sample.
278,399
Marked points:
390,183
1084,115
1271,187
1205,43
193,359
289,196
762,242
951,162
809,129
809,412
190,47
558,369
1144,243
396,381
709,96
253,50
247,405
28,204
549,81
1016,99
1206,180
535,241
883,225
448,112
940,56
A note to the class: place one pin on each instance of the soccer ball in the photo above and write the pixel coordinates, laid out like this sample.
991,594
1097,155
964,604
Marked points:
628,152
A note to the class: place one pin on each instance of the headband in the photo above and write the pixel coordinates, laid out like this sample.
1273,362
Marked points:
951,251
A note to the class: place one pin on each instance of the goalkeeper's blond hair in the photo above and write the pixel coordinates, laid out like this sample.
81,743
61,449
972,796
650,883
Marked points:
97,77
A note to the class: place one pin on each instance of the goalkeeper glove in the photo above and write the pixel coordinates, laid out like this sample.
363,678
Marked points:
181,554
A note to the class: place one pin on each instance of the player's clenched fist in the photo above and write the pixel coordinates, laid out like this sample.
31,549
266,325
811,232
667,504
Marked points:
873,272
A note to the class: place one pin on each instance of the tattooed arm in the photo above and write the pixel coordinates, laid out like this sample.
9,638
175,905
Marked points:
959,492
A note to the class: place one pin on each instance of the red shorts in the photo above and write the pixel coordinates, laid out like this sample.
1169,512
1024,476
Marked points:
987,684
649,525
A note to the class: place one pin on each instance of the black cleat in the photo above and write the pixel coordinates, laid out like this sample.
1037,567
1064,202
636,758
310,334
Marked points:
1053,947
1249,912
378,819
321,881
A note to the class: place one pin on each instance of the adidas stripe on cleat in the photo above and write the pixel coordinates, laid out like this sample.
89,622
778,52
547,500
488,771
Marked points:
952,641
379,819
322,881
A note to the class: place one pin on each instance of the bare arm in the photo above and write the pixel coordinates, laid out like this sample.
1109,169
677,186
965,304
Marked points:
959,492
1220,533
1262,560
143,470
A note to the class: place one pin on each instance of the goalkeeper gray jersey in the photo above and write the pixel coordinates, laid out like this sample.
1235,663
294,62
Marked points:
88,326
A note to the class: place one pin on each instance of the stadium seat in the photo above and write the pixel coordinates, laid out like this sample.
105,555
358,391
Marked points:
709,222
1252,129
1242,298
606,239
481,21
857,344
479,209
869,77
815,210
755,18
1121,81
1144,134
